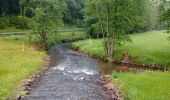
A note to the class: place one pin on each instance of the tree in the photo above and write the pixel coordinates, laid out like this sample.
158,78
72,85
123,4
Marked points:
73,14
114,19
48,13
23,6
141,15
141,10
9,7
164,10
90,19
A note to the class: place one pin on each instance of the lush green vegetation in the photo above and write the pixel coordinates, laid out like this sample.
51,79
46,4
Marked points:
16,64
58,37
69,36
13,29
113,20
17,39
144,85
14,23
148,48
110,21
164,15
43,17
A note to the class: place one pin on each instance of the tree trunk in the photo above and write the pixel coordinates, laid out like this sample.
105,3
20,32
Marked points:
100,22
109,44
109,47
44,38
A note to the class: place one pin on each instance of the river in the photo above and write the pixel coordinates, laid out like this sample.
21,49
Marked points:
71,76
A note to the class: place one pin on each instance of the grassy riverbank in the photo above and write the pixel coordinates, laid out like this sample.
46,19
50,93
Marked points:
143,86
16,64
147,48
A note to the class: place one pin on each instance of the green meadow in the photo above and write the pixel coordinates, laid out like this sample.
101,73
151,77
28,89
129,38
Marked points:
146,85
151,48
16,65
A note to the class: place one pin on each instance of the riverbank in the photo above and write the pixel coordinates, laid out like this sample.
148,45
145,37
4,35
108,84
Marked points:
30,83
147,85
146,49
136,83
17,62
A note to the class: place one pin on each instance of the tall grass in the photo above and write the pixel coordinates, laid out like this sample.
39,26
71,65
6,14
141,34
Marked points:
143,86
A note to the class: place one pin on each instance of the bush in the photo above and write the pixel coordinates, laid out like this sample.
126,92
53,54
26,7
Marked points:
3,23
19,23
66,37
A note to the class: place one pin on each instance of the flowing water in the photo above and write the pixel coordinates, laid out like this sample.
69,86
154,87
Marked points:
108,68
72,76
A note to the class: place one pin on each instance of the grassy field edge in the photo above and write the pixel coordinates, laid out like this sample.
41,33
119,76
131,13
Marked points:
16,65
146,49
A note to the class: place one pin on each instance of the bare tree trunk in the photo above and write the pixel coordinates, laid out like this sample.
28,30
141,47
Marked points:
24,11
100,22
21,11
44,38
109,45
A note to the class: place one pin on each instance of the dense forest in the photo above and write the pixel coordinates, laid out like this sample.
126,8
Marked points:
72,9
76,12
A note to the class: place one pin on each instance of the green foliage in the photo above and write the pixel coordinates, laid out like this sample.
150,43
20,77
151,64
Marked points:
142,12
73,13
19,22
69,37
15,65
146,85
91,19
164,10
15,21
111,18
13,29
132,15
3,23
48,14
145,49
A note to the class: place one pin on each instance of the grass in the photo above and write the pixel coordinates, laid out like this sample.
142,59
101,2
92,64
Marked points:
15,38
13,29
144,86
147,48
16,64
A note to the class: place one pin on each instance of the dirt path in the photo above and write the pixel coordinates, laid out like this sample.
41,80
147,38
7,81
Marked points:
71,76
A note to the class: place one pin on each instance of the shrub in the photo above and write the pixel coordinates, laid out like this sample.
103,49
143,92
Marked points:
69,37
3,23
19,23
